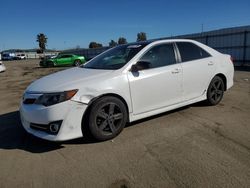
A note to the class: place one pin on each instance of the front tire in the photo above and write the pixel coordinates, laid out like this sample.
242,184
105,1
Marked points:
107,118
50,64
215,91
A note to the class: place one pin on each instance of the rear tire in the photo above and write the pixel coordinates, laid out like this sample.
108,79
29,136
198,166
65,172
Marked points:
107,118
215,91
77,63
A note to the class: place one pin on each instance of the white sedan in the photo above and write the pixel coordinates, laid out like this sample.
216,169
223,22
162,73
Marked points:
124,84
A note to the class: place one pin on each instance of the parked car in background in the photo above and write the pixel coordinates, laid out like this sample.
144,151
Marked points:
2,67
20,56
8,56
124,84
63,60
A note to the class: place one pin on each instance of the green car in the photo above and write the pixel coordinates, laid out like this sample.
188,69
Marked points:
63,60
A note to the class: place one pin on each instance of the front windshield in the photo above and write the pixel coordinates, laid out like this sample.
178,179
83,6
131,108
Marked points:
115,58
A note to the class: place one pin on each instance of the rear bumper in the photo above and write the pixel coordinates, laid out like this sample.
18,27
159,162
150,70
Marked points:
68,113
230,77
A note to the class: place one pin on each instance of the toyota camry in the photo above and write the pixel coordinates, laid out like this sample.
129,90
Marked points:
124,84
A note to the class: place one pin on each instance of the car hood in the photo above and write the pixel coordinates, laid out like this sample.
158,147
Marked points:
68,79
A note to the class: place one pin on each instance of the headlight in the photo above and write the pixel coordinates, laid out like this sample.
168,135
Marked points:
49,99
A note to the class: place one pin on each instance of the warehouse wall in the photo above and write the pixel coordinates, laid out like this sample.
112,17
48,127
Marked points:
34,55
233,41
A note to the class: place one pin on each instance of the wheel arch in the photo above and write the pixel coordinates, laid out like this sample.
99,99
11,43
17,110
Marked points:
77,59
223,77
91,102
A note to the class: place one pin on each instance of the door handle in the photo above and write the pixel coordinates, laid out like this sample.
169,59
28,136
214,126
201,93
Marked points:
176,71
210,63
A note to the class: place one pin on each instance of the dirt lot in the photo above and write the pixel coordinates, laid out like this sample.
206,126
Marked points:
196,146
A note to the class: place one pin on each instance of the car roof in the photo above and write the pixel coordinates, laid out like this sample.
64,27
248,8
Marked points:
145,43
66,54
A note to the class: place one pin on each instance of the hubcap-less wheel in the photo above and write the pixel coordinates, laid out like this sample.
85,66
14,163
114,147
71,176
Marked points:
215,91
108,116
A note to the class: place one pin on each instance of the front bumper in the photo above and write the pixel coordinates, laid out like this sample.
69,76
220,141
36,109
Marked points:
70,114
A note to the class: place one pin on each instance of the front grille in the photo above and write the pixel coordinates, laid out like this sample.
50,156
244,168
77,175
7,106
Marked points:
29,101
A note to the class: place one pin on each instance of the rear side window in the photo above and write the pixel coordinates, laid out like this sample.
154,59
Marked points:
190,51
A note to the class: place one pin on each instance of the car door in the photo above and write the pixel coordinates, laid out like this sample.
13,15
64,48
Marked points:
64,60
159,85
198,68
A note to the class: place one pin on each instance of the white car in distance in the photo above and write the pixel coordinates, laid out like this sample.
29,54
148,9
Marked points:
124,84
21,56
2,67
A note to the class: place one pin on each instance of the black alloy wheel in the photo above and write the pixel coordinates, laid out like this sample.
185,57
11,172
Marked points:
107,118
215,91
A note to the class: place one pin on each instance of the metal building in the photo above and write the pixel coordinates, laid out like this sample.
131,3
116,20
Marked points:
234,41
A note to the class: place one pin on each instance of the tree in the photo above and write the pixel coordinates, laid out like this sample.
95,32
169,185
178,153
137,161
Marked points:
95,45
122,40
42,40
112,43
141,36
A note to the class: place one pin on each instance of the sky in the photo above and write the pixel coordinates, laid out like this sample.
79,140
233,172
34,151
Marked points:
68,24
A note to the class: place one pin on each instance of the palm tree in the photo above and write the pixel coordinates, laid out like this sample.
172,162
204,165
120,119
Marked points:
42,40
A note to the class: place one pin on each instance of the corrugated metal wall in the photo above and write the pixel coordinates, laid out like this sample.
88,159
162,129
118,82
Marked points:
233,41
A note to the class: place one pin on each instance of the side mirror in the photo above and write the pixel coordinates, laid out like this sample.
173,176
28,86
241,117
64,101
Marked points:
140,65
134,68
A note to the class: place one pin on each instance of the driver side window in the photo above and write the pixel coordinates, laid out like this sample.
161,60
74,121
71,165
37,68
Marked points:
159,56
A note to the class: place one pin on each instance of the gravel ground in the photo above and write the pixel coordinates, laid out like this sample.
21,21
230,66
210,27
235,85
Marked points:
195,146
